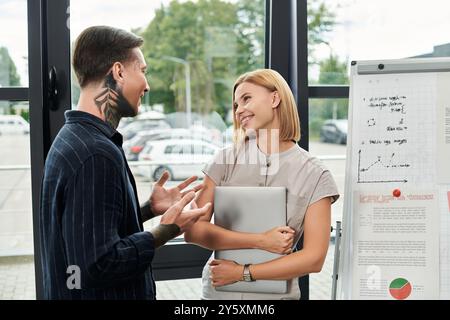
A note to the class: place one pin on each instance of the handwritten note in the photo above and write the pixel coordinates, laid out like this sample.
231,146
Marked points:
388,141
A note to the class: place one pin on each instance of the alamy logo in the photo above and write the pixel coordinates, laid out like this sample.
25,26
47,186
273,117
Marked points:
74,279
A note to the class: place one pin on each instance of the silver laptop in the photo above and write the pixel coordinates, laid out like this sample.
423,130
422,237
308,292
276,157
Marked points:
255,210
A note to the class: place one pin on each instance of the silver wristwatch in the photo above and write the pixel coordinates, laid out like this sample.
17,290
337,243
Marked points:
247,276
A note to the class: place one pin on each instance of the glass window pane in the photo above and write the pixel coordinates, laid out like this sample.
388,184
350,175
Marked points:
13,44
327,134
347,30
16,223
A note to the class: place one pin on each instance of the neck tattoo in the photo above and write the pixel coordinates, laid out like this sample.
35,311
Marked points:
112,104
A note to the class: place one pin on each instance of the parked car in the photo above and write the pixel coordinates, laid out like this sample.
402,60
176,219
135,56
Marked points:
201,132
334,131
130,130
13,124
181,158
135,145
129,126
151,115
124,122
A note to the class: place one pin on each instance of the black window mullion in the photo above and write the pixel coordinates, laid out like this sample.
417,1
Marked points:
179,261
303,93
279,54
14,94
37,123
48,46
328,91
268,10
288,53
58,42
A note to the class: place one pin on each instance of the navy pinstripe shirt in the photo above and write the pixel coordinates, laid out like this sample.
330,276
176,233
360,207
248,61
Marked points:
90,217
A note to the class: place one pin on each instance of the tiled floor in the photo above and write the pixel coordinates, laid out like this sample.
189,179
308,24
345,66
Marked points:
17,282
17,278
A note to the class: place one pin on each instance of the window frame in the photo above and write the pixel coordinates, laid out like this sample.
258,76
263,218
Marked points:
48,46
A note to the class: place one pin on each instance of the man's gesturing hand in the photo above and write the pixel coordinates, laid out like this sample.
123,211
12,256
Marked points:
162,199
184,219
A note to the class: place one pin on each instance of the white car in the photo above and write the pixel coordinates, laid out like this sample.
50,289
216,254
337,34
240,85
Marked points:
13,124
181,158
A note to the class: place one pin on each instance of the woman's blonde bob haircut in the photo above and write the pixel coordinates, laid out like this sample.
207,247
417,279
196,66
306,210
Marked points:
286,110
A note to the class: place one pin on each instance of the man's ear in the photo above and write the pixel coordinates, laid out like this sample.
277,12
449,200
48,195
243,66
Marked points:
117,72
275,99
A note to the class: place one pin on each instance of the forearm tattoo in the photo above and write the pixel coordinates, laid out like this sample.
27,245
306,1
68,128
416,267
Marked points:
164,232
112,103
146,211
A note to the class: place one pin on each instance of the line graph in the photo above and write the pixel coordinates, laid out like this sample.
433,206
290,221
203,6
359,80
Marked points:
380,165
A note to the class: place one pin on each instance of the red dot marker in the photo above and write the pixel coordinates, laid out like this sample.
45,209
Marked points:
396,193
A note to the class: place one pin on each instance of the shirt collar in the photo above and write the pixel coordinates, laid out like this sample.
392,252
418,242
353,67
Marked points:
76,116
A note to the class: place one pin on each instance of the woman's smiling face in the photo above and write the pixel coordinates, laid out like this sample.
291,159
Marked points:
254,106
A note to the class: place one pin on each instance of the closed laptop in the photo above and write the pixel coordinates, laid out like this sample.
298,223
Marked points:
254,210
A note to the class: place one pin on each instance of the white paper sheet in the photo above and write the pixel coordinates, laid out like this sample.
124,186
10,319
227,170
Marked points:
396,246
389,122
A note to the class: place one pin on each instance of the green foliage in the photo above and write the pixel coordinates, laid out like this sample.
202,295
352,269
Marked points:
320,22
315,123
25,114
8,77
8,71
332,71
220,40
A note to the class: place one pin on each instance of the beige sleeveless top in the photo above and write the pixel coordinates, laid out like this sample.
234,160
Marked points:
305,177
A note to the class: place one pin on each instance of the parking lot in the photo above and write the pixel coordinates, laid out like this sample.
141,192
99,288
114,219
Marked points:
16,220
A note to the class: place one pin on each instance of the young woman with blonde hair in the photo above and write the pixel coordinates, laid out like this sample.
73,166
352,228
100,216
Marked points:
267,127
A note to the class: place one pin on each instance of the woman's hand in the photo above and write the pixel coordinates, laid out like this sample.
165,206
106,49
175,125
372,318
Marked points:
225,272
278,240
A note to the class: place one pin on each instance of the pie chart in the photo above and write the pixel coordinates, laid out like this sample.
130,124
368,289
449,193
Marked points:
400,288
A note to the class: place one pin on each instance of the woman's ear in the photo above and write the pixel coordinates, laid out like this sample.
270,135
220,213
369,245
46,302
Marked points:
275,99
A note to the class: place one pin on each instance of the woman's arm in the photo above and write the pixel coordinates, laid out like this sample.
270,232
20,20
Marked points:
210,236
308,260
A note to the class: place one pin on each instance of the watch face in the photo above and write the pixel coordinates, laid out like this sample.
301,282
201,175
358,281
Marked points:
247,275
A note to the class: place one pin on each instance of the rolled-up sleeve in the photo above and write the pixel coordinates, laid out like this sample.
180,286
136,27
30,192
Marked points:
326,187
90,227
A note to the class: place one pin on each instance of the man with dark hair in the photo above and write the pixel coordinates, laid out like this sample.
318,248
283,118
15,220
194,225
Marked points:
93,243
